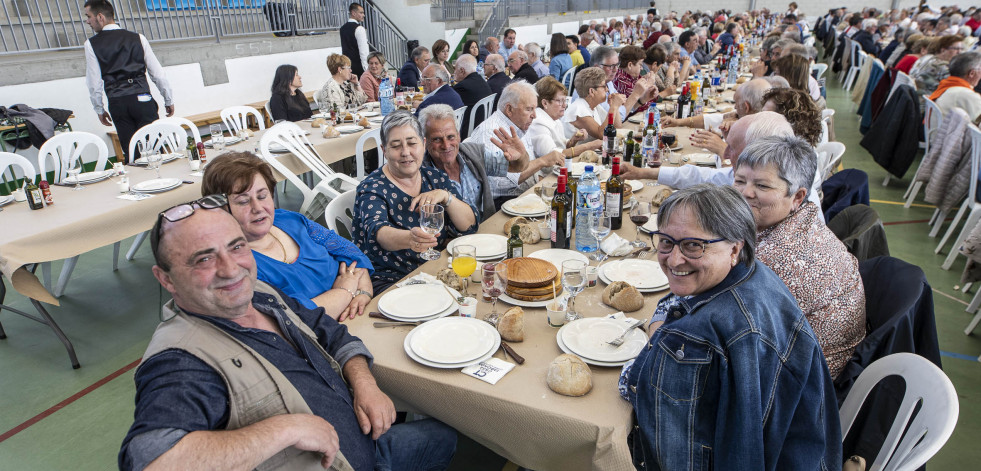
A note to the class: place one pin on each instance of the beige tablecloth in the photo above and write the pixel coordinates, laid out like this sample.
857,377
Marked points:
82,221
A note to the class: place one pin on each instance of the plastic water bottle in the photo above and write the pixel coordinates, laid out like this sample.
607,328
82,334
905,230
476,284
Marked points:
386,95
480,68
588,203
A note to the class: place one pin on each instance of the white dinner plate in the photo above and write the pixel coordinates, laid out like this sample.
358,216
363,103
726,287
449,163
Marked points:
577,169
423,361
229,141
530,206
453,341
674,97
645,275
517,302
277,148
157,185
6,200
705,160
166,158
557,256
89,177
587,338
651,225
565,349
369,114
637,119
454,307
635,185
489,246
413,302
348,128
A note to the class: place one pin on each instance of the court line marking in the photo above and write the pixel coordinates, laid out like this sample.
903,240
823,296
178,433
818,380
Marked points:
918,205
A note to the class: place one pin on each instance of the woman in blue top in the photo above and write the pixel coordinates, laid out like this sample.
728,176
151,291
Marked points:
561,60
308,262
386,211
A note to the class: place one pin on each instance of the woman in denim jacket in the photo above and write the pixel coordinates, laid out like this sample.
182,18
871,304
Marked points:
733,378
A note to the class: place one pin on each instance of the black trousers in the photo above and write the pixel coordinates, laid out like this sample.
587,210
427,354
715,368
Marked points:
130,114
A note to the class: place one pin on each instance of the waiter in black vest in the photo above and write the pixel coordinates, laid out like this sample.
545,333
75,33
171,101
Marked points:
117,61
354,40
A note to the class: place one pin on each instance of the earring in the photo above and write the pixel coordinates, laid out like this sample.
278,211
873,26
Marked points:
734,260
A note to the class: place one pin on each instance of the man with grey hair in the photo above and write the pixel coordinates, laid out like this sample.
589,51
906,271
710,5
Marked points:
412,69
497,79
469,85
435,82
957,91
462,162
748,98
777,81
644,90
705,51
535,58
490,46
865,39
520,68
508,158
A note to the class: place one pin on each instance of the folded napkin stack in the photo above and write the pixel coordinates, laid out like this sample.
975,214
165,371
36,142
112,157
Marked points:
616,246
423,277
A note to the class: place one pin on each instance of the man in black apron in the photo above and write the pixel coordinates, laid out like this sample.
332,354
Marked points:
117,61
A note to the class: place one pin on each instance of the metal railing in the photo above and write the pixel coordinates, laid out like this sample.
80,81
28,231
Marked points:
451,10
496,20
43,25
383,35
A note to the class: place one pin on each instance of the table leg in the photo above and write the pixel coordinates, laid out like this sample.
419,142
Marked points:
45,319
3,294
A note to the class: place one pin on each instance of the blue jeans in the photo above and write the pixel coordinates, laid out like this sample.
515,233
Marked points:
421,445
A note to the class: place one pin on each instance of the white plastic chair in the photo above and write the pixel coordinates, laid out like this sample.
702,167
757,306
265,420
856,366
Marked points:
568,78
236,118
487,104
12,161
269,114
341,211
293,139
359,150
163,136
932,119
858,60
820,68
972,201
184,122
65,148
933,424
829,156
459,114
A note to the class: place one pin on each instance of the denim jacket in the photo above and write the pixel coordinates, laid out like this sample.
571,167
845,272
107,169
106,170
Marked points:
735,380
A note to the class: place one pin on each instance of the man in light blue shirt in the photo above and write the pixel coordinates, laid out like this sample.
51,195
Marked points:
689,42
508,45
534,52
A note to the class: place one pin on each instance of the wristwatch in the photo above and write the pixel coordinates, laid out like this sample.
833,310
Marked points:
361,291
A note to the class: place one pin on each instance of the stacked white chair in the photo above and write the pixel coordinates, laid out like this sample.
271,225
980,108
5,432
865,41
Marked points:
971,203
932,119
829,156
858,60
486,104
359,150
820,68
340,211
459,114
236,118
289,137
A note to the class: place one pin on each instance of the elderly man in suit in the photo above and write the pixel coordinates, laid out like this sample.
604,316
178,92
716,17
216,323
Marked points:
435,82
412,69
469,85
522,70
497,79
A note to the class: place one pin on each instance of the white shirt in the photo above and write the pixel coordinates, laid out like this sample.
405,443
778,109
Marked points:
546,134
577,109
605,105
505,51
93,73
501,181
361,35
690,175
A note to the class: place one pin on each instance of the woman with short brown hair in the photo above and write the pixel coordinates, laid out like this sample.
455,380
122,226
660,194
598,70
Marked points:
343,88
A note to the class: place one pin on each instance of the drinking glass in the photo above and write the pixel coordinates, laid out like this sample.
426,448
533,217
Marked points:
546,193
600,227
493,282
75,168
153,158
465,263
217,137
639,215
431,221
573,281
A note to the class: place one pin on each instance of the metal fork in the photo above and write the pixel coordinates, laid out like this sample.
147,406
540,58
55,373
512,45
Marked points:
619,340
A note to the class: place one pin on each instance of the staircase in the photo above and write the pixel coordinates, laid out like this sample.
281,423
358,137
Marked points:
383,35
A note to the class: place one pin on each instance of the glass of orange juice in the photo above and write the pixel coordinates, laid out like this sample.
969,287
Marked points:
464,263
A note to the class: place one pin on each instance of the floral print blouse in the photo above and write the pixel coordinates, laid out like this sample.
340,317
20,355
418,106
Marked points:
824,278
340,94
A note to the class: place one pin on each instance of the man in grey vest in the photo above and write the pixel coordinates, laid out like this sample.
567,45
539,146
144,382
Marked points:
239,376
117,62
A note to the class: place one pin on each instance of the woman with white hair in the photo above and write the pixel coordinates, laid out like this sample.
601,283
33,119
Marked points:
585,112
547,133
775,174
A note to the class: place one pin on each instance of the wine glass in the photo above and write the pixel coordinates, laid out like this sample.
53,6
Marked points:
600,226
217,137
573,281
546,192
153,158
431,221
639,215
75,168
465,263
494,282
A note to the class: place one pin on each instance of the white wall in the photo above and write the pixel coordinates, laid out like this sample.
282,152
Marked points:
454,37
567,28
414,21
249,80
533,33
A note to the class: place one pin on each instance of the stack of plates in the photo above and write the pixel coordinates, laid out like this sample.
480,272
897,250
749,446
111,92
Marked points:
370,114
586,338
4,200
645,275
166,158
89,177
489,246
229,141
527,206
651,225
157,185
452,342
577,168
277,148
635,185
413,303
704,160
348,128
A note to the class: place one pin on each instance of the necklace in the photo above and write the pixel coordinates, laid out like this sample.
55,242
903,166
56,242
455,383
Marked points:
281,246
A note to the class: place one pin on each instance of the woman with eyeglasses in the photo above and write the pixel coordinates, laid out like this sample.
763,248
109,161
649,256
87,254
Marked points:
930,69
301,258
585,112
547,133
342,88
732,372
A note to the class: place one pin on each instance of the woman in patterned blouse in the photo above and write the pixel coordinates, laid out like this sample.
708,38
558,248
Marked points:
774,174
342,88
386,209
303,259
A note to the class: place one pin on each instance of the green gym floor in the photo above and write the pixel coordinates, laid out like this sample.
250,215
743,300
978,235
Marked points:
53,417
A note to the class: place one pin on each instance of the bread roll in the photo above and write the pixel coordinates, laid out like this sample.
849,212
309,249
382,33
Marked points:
529,234
330,132
511,325
569,375
589,157
621,295
450,278
660,196
511,222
